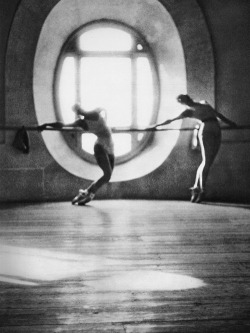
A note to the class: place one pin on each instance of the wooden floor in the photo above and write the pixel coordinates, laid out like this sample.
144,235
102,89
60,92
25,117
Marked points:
124,266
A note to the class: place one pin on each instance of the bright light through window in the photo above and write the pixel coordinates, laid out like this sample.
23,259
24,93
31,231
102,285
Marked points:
88,141
67,89
122,146
105,39
109,66
106,82
145,92
112,90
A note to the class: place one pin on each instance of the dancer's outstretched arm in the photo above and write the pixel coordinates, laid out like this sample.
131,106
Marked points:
184,114
58,125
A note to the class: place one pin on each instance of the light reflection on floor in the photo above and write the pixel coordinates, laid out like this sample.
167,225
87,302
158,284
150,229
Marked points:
30,267
143,280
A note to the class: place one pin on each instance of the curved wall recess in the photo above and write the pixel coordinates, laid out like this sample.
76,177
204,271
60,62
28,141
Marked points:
177,49
160,34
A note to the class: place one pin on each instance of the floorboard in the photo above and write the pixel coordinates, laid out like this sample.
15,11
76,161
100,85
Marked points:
124,266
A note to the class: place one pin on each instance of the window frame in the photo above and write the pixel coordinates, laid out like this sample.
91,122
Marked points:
70,48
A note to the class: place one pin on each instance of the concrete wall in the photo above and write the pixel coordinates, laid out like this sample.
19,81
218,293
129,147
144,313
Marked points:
229,26
7,11
38,177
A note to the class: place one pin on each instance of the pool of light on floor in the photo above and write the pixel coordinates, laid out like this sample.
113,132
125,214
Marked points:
31,267
146,280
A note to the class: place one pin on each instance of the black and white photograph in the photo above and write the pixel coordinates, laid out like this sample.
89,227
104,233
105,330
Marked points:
125,166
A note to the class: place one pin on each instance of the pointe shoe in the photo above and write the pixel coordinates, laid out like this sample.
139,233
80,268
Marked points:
200,197
81,195
195,191
87,198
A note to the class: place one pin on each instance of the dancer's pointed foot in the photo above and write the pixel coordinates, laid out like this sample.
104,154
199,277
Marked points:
200,197
194,193
88,197
83,197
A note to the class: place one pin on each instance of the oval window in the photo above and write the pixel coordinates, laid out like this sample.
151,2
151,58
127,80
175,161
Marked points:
109,65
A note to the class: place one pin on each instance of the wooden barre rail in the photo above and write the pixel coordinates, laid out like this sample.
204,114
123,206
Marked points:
117,129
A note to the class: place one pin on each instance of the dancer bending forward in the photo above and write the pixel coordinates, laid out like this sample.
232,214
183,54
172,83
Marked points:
92,122
209,138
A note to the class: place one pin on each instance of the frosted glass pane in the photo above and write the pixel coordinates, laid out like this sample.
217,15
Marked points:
105,39
88,140
67,89
145,92
122,144
106,82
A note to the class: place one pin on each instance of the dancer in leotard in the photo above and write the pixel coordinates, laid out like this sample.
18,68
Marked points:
209,138
92,122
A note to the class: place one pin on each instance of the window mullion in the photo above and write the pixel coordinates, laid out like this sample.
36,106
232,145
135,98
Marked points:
78,79
78,96
134,98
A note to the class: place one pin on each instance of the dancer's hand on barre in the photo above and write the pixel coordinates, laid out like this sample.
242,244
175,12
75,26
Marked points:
161,124
57,125
151,127
41,127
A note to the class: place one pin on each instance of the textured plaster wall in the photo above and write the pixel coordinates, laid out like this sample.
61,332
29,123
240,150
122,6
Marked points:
229,26
215,31
7,10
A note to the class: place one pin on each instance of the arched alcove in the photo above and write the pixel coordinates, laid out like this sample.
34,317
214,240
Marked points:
184,59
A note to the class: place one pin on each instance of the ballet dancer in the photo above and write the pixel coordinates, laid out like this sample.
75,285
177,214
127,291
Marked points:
92,122
209,138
